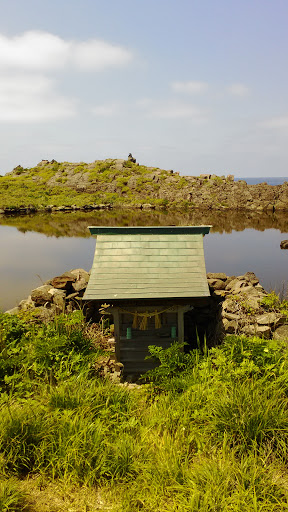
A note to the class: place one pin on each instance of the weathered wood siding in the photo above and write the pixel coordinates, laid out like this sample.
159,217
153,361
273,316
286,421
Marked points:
133,352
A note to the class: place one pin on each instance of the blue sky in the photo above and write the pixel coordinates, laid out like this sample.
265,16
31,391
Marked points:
192,85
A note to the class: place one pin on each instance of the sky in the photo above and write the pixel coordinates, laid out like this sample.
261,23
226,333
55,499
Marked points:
191,85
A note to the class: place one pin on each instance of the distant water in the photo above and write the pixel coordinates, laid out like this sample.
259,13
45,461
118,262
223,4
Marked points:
269,180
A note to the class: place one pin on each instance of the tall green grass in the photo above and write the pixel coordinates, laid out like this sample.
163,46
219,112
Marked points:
207,433
11,498
33,354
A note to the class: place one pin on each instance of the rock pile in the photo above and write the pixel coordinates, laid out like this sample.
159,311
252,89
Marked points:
242,307
107,366
61,294
131,158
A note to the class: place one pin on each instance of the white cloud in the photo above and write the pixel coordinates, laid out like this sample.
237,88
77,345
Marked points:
171,110
33,50
38,51
22,84
98,55
30,98
106,110
143,102
152,109
26,92
238,90
276,122
191,87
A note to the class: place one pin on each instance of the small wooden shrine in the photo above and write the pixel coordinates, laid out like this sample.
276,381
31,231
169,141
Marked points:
149,276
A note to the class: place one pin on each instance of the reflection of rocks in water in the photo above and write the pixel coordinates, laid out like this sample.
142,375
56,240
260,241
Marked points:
284,244
76,223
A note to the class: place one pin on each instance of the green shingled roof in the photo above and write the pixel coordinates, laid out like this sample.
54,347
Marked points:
148,262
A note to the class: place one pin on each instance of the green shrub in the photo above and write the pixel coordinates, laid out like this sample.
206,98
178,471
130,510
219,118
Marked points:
162,202
171,361
264,357
273,302
49,352
19,170
182,182
121,182
79,168
128,164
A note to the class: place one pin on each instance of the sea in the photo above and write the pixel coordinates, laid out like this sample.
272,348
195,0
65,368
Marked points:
268,180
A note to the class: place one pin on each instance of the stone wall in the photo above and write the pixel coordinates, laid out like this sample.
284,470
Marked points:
242,310
235,307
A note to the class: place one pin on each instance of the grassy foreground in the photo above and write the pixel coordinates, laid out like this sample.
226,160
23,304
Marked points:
208,433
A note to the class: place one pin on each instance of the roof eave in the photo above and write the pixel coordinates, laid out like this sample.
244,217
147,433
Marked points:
149,230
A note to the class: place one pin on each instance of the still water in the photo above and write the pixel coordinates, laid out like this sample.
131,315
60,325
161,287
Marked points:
36,248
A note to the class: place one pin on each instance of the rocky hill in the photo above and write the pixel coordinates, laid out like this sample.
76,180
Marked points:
118,182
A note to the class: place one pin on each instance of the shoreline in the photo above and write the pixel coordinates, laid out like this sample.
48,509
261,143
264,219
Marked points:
28,210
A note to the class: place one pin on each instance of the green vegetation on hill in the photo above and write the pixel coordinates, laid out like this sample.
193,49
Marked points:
66,184
122,182
23,191
208,433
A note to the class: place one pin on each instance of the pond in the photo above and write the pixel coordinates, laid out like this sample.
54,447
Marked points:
36,248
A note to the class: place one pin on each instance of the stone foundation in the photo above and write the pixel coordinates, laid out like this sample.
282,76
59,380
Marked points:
242,310
235,307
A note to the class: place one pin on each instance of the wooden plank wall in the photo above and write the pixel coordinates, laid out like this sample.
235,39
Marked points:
133,352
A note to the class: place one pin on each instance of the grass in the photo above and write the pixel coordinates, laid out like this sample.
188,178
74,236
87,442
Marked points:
23,192
11,498
208,432
46,185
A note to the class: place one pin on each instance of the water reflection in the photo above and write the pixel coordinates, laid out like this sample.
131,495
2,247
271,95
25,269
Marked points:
75,223
28,259
249,251
35,248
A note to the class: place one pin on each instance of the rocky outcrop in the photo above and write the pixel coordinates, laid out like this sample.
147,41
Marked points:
131,158
58,295
238,306
23,210
242,305
284,244
281,333
125,182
